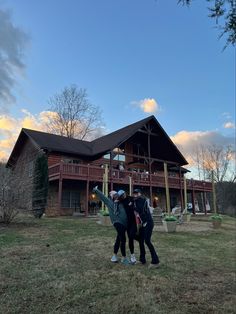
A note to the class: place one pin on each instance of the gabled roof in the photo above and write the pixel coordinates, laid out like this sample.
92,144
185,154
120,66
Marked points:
52,142
114,139
98,147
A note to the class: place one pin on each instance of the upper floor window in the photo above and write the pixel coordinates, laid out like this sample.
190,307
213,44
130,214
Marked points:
71,161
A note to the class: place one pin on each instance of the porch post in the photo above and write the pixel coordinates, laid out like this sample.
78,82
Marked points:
185,193
87,195
60,188
59,194
204,201
111,170
193,198
181,189
167,188
150,163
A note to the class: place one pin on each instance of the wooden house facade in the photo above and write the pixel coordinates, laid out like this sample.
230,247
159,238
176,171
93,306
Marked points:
133,155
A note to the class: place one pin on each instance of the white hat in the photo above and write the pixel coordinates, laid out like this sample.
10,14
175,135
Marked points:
112,194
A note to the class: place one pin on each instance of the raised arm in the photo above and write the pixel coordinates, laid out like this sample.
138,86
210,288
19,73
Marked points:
107,201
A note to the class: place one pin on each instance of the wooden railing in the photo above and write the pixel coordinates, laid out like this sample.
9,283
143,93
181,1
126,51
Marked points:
93,173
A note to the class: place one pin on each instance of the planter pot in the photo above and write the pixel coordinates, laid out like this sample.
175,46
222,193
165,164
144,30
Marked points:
104,220
216,223
186,218
170,226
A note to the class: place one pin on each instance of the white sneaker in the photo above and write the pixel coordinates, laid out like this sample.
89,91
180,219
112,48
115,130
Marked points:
133,259
114,259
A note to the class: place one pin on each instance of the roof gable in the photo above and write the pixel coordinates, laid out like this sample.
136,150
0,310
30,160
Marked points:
162,145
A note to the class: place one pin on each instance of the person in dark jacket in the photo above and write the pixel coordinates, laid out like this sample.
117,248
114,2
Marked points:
141,208
127,202
119,220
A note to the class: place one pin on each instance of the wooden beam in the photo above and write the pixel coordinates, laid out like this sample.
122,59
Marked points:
59,194
167,189
185,193
181,189
149,164
60,187
146,132
213,192
87,198
111,170
193,198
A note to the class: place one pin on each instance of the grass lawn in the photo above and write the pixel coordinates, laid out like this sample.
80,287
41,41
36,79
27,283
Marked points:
62,265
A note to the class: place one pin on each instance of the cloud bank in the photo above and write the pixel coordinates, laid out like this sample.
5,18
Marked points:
12,44
187,141
10,129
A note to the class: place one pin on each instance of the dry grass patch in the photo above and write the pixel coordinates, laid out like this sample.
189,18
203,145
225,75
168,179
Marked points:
68,270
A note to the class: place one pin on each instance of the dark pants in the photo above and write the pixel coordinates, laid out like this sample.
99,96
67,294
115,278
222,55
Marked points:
120,239
131,231
145,234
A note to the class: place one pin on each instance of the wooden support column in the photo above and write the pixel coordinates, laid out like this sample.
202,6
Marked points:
59,194
213,192
181,189
185,193
130,186
204,202
60,188
193,198
87,195
167,189
149,163
111,171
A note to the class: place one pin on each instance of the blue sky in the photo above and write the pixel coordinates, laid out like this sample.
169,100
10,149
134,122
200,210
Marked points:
124,52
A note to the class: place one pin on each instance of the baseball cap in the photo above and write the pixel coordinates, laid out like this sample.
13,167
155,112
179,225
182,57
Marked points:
121,192
137,191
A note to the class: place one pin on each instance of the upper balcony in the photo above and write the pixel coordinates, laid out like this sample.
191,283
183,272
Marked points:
93,173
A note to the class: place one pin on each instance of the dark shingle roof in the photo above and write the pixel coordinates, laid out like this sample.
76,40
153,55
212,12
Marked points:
100,146
52,142
114,139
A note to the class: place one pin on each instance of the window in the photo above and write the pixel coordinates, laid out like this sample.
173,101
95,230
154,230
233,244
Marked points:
70,199
72,161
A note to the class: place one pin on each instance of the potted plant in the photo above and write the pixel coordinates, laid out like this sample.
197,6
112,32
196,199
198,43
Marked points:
186,216
216,221
104,218
170,223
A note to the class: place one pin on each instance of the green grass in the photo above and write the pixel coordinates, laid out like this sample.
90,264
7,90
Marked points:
62,265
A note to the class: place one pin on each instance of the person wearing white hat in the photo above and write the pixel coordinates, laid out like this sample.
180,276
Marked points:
119,220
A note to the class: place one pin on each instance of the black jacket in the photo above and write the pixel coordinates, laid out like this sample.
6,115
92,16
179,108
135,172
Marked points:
142,208
128,204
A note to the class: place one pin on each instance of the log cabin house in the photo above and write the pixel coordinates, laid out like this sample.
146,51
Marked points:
134,155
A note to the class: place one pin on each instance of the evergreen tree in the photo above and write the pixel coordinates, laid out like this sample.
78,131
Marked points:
40,186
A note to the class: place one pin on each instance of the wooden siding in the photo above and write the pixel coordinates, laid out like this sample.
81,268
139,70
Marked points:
23,172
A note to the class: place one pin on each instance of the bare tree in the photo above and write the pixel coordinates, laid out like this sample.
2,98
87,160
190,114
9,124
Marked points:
73,115
219,159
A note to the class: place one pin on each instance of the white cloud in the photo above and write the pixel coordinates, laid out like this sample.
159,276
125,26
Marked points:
229,125
148,105
10,128
12,46
189,141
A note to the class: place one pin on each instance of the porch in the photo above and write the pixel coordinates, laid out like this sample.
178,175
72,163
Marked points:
84,177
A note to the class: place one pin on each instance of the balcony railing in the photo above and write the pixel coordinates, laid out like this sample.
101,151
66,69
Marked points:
93,173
